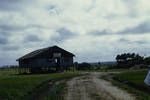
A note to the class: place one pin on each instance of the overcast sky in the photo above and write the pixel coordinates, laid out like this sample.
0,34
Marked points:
94,30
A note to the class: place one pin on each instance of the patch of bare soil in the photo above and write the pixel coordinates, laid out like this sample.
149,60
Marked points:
91,87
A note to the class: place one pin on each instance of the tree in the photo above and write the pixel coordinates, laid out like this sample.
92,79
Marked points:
84,66
129,59
147,60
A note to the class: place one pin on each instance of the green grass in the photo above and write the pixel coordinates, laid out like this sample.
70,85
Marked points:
136,77
8,71
56,92
16,87
133,82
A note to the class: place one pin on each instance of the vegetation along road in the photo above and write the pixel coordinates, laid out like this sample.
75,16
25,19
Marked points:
92,87
70,86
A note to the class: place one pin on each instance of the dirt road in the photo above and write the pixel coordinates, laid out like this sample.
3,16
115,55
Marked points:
92,87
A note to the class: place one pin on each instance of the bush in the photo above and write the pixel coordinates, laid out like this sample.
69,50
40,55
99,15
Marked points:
84,66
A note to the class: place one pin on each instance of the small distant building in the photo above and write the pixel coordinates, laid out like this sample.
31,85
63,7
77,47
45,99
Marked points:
47,58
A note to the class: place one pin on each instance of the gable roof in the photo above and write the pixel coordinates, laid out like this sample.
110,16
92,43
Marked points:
39,51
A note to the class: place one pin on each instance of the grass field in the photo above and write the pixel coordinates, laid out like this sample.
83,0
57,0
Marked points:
136,77
17,87
133,81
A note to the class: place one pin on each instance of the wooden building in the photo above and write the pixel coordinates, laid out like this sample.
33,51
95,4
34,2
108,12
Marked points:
47,58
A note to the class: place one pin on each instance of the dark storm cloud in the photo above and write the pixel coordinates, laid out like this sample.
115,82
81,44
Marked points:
11,5
139,29
7,31
3,40
10,48
10,28
124,40
64,34
53,9
32,38
100,33
5,44
142,28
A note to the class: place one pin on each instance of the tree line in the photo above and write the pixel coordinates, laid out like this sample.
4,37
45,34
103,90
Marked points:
127,60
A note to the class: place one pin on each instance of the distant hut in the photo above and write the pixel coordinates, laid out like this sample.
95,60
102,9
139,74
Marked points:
46,59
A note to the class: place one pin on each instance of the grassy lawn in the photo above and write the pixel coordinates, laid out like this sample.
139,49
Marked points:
56,92
16,87
133,81
136,77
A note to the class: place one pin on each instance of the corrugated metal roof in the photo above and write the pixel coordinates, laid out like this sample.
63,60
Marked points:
39,51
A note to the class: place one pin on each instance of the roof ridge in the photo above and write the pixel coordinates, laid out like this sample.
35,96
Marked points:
39,51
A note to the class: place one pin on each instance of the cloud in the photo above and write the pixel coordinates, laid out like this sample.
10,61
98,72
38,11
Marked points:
53,9
11,5
101,28
32,38
100,33
63,34
10,28
10,48
142,28
128,41
92,5
3,40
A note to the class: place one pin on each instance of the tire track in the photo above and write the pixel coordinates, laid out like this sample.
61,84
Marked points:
91,87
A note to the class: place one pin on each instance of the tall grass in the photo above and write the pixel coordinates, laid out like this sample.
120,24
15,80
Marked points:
133,81
16,87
